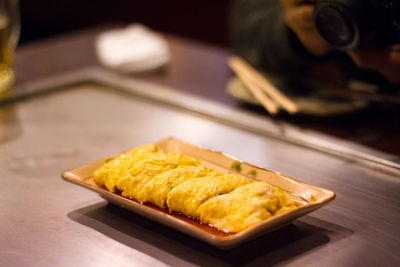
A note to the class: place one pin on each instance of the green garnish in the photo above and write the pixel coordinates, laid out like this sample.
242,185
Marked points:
252,173
108,160
170,185
237,166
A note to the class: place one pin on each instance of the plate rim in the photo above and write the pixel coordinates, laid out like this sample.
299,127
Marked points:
222,242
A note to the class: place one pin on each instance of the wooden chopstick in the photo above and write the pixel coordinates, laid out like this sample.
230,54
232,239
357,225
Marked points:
268,103
241,66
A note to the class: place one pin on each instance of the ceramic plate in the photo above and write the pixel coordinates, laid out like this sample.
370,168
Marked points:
307,196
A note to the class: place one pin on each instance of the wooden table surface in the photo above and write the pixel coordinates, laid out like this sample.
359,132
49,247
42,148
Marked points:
201,69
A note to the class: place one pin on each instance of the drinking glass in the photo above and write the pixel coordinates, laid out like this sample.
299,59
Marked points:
9,35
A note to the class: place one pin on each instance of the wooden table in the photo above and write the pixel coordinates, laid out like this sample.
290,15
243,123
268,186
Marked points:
44,220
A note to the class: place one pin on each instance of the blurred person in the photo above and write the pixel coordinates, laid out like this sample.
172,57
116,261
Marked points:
281,37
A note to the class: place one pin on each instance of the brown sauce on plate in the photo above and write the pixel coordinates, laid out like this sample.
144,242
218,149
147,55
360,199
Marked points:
205,227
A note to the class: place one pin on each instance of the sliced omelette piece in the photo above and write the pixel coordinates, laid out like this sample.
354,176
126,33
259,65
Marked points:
189,195
109,173
138,175
156,190
246,206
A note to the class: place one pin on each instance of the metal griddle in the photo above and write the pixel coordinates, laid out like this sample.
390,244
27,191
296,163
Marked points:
68,121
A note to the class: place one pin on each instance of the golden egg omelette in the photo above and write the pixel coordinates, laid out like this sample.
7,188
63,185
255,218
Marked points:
179,183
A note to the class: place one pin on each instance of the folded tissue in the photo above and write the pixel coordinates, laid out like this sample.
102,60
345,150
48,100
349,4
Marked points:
134,48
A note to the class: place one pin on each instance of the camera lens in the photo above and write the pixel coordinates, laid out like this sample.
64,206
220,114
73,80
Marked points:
335,26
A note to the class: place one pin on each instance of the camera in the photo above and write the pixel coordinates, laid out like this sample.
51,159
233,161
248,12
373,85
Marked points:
346,24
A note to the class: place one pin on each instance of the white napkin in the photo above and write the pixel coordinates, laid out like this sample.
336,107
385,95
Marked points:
135,48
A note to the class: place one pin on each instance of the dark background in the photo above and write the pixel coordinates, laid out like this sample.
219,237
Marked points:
204,20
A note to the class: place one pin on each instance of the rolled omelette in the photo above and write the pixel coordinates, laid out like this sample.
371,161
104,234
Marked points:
188,196
245,206
107,175
132,182
158,188
181,184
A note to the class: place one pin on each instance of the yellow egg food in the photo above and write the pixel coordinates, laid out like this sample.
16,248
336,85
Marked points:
157,189
181,184
110,173
187,197
245,206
